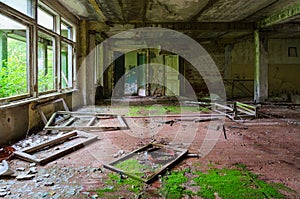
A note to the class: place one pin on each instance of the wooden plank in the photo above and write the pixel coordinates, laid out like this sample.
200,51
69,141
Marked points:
68,150
69,122
227,115
26,156
239,104
49,142
250,113
42,115
39,107
66,127
87,113
82,128
177,116
151,177
223,106
122,122
92,121
51,120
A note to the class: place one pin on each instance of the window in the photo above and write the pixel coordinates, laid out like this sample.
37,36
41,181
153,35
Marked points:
66,65
46,65
13,54
35,63
45,19
66,30
24,6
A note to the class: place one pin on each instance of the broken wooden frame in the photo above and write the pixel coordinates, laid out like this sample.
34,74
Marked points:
147,154
28,153
42,114
236,110
68,121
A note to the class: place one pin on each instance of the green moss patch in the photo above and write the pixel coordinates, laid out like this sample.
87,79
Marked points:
225,183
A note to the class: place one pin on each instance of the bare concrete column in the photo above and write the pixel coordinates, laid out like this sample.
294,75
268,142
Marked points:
227,68
261,67
82,72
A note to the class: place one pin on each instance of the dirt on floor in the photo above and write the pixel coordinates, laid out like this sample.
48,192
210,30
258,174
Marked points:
268,146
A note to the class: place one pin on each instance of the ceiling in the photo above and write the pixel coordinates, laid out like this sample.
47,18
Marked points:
219,20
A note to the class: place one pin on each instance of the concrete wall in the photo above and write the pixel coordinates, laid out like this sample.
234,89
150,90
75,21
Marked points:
283,70
13,124
217,53
16,122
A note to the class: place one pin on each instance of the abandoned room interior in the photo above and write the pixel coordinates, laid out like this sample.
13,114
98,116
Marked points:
150,99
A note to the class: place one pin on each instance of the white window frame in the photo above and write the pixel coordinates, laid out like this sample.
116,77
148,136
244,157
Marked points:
32,47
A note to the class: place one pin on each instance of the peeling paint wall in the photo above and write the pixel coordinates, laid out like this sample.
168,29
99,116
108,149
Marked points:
217,53
13,124
284,70
131,87
17,122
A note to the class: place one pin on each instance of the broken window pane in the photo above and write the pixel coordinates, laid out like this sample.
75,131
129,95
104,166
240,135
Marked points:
46,67
13,56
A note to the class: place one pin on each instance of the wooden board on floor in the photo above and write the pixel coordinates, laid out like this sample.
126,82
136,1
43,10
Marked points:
28,154
147,162
84,121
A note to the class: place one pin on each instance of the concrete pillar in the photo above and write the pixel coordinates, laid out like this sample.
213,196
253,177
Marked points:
261,67
90,69
227,68
82,72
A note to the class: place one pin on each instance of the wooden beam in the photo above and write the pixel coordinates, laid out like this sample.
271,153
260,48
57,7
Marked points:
122,10
201,26
24,154
144,10
286,27
49,142
97,9
280,17
209,4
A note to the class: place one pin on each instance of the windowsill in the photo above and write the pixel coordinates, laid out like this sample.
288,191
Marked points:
39,99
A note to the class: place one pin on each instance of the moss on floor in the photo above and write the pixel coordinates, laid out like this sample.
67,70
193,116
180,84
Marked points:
164,109
226,183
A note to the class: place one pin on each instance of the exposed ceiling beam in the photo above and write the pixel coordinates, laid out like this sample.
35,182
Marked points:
280,17
122,10
260,10
202,26
247,37
97,9
209,4
285,27
144,10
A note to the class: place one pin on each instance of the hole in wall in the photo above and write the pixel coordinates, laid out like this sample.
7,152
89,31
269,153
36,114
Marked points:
8,119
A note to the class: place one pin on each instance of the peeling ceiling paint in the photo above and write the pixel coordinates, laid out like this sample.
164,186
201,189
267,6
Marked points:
174,11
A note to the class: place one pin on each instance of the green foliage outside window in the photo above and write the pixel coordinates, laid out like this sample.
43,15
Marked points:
13,72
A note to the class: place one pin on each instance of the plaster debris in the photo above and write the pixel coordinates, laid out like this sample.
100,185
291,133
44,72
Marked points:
48,184
32,170
4,169
25,177
20,169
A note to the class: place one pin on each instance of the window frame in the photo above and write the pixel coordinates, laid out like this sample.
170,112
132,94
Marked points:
13,14
32,36
54,63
